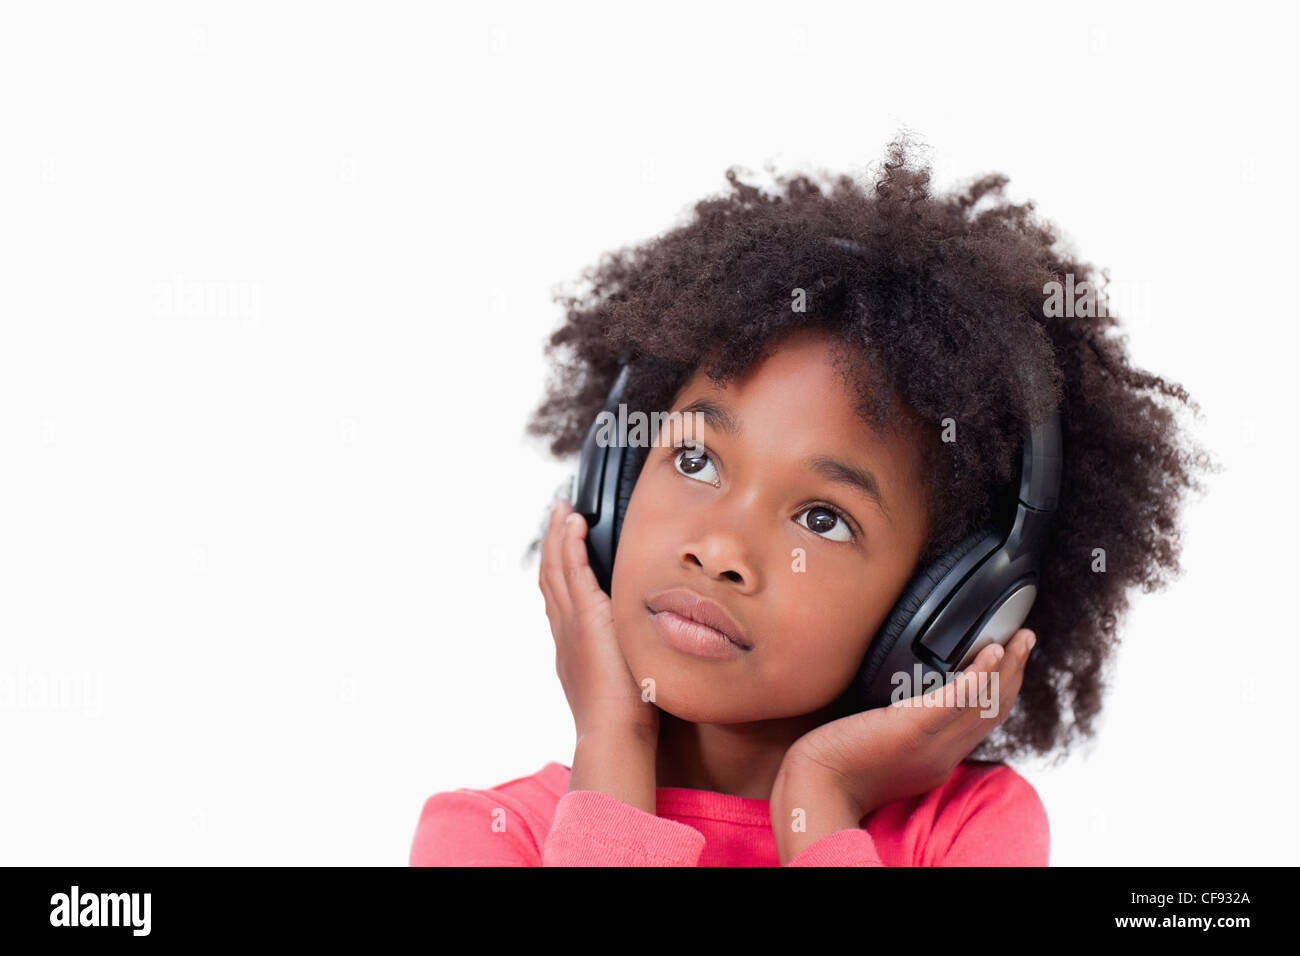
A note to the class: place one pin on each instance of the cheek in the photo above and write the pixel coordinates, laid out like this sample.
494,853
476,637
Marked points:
819,630
628,591
640,549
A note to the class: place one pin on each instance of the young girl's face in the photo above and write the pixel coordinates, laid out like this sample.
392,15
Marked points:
744,522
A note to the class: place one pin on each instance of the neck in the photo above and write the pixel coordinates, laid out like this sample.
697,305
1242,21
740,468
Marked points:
737,759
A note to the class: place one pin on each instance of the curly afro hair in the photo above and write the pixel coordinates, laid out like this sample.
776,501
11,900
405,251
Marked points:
946,294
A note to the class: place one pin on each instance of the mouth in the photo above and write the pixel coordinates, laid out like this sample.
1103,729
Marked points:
697,611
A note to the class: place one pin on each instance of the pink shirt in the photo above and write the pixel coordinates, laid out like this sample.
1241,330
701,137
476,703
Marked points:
986,814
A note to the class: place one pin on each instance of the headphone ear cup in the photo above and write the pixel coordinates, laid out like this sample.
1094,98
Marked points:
914,595
633,461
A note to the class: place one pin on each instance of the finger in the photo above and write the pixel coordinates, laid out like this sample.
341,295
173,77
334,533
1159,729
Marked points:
548,547
1011,670
989,685
1002,688
546,528
552,570
946,706
955,693
958,700
584,589
944,696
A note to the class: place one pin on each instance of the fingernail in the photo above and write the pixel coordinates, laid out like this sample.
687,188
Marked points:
1033,639
997,652
573,519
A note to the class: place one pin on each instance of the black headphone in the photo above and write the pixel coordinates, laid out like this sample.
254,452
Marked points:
977,593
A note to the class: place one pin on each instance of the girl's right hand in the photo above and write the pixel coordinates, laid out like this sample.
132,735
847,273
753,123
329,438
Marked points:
602,693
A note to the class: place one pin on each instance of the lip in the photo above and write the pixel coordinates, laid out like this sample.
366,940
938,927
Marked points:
696,608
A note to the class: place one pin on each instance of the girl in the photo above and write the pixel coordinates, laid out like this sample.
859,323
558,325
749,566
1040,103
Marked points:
865,365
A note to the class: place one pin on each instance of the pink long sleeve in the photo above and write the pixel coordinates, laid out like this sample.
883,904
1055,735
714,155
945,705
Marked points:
986,814
469,828
841,848
995,818
595,829
1002,823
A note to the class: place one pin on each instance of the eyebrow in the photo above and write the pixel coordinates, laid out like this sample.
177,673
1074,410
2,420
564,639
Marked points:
720,417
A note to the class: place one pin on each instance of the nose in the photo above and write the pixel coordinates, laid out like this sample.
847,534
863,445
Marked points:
720,555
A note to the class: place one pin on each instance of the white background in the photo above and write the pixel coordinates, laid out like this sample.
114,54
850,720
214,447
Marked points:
271,532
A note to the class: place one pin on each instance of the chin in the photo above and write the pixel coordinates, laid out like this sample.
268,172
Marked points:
693,712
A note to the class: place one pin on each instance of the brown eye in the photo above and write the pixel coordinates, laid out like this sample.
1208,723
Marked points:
827,523
694,463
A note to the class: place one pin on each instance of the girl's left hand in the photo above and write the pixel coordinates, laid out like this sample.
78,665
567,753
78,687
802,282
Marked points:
885,754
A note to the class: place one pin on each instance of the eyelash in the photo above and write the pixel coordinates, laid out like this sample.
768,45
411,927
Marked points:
825,505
